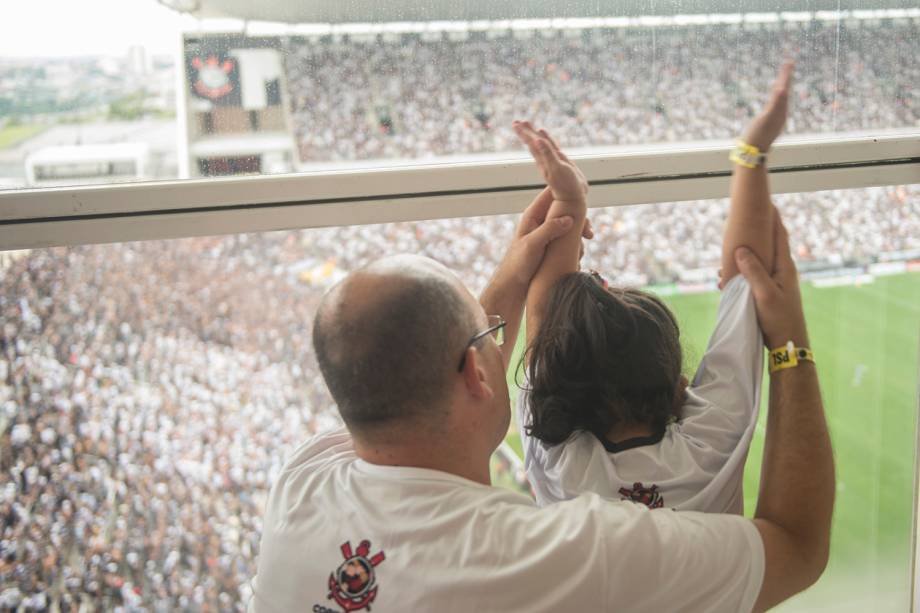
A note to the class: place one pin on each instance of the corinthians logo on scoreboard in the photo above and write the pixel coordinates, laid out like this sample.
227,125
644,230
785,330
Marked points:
214,77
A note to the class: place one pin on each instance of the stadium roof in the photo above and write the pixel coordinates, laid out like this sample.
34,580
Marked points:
370,11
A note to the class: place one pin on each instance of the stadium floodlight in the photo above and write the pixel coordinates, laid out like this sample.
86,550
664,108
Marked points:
312,29
831,15
413,10
728,18
797,15
651,21
899,13
576,23
761,17
448,26
686,20
530,24
617,22
401,27
354,28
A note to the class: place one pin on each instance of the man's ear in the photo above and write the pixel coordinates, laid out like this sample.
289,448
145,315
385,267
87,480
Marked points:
474,376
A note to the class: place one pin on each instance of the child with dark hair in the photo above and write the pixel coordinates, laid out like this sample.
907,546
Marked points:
604,357
606,408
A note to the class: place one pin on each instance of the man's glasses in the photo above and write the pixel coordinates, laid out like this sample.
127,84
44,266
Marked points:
496,329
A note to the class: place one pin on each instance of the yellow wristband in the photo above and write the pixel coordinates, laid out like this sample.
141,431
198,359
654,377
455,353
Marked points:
789,357
751,149
747,155
740,161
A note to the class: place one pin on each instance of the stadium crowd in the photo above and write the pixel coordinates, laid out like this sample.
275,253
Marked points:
137,440
149,392
416,99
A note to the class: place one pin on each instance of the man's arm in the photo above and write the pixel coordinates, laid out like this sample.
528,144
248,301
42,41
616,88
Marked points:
569,190
507,290
796,499
750,215
797,487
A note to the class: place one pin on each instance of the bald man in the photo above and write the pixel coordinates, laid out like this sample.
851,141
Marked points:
395,511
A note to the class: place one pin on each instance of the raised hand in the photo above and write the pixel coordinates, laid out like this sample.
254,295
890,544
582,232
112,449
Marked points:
564,179
770,122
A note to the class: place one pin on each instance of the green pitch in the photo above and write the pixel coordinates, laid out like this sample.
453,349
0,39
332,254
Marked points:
865,340
13,135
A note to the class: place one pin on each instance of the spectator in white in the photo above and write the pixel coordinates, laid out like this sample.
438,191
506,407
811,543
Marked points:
605,407
395,510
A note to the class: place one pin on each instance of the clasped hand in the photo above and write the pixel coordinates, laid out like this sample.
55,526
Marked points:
566,184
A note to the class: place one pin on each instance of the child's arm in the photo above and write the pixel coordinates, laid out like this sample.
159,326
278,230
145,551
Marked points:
507,289
750,215
569,189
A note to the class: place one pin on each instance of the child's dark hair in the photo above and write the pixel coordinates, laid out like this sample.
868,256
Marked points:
603,357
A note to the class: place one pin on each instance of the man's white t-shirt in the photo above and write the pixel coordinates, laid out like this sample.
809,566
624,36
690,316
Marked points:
698,465
341,534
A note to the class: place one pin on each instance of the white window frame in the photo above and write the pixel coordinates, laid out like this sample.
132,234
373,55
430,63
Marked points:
915,537
34,218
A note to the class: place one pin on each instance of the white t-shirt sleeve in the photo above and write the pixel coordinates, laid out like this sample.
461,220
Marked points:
725,392
655,560
705,562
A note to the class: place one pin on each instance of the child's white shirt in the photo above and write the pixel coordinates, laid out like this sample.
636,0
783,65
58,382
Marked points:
698,464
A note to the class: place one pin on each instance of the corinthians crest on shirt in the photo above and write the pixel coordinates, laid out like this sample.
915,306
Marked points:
353,585
649,496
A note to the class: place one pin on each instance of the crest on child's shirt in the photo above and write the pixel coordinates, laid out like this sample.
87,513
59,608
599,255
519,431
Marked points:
649,496
353,585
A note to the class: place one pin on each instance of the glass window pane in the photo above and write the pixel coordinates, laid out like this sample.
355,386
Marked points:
863,329
150,392
170,96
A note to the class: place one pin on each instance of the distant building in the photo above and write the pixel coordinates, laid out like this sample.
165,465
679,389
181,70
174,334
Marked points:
87,164
139,64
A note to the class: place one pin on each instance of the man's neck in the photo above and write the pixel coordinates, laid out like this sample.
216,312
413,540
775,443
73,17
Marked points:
432,457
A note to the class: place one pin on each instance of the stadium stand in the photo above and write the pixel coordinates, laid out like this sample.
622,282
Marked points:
605,87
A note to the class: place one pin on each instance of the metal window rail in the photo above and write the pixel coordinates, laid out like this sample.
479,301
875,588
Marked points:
618,176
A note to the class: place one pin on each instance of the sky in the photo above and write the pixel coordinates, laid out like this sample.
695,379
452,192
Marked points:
49,28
